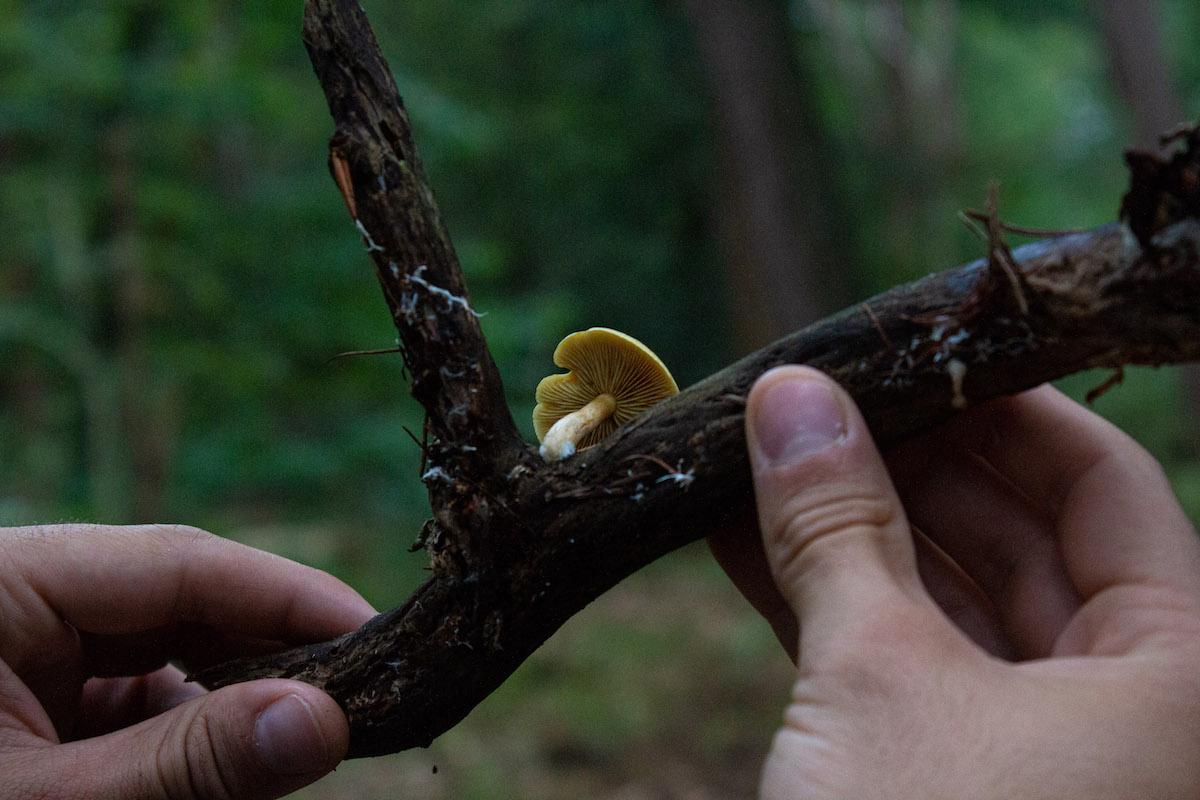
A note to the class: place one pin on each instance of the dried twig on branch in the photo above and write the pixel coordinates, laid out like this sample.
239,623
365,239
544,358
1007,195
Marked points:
517,546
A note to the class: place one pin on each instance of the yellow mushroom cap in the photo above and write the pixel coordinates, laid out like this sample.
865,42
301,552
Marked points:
601,361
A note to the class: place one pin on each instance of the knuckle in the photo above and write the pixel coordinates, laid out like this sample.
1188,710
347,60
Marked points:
1125,461
1152,468
206,750
1128,456
176,537
188,761
169,547
834,508
168,776
809,523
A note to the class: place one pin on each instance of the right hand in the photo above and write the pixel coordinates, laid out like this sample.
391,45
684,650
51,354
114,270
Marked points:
1048,647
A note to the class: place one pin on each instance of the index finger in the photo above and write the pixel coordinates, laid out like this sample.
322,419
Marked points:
1116,517
119,580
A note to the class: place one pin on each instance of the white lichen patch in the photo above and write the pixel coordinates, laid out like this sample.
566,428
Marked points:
450,298
437,474
408,306
683,479
947,343
362,229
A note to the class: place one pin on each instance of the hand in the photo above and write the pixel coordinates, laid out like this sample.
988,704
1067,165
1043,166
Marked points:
90,708
1030,628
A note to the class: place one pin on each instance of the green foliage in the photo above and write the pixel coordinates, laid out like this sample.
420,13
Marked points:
176,153
177,269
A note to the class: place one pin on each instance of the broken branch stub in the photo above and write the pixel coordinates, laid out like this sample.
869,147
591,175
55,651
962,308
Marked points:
519,546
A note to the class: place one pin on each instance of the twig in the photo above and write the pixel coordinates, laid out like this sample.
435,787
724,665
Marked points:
1096,392
1024,230
355,353
1000,258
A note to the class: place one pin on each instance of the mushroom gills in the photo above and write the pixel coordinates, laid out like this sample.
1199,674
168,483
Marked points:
611,378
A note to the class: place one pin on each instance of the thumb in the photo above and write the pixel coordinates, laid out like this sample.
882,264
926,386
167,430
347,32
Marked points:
254,740
835,535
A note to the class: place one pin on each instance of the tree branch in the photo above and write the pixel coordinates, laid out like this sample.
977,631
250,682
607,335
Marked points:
469,430
518,546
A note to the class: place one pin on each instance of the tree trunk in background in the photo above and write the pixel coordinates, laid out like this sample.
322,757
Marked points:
1144,81
1138,67
79,347
775,204
126,325
913,47
150,396
896,62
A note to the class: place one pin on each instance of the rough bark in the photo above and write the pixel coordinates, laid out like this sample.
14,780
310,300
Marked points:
518,546
1143,79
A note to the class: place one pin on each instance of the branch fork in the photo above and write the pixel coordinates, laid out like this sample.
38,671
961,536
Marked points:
517,546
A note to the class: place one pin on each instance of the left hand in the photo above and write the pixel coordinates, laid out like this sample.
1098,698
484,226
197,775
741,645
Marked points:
91,615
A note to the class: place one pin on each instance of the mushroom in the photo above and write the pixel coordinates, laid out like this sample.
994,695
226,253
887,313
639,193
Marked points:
612,379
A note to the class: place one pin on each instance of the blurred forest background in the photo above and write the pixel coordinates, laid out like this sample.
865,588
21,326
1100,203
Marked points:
177,269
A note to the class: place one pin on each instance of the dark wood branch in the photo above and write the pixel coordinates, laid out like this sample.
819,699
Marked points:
519,546
375,164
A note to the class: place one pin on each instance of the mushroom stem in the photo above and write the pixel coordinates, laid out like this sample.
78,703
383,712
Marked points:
564,436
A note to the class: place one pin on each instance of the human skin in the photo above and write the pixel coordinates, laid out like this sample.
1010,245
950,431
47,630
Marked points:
83,605
1012,611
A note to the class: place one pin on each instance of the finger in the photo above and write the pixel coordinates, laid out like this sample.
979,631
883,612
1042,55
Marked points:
197,646
110,704
254,740
1117,519
835,536
1121,524
960,598
738,548
21,714
113,580
991,529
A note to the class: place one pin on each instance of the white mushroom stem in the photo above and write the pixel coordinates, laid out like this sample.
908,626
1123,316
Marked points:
564,436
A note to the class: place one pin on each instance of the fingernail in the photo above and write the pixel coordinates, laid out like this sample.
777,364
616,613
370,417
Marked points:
796,418
289,739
